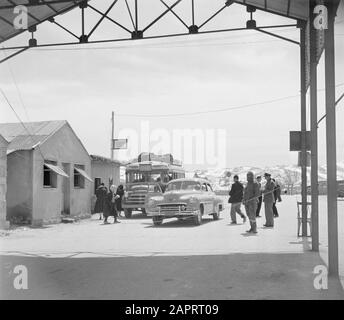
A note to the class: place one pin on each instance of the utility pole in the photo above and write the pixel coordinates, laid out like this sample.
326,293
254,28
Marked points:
112,134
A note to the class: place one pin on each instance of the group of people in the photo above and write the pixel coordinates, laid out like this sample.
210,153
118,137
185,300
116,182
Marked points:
109,202
252,195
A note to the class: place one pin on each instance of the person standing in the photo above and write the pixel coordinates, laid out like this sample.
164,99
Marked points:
101,193
269,199
110,207
277,196
250,201
236,196
120,193
260,199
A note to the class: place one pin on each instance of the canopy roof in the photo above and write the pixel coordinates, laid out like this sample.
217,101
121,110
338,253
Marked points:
295,9
37,14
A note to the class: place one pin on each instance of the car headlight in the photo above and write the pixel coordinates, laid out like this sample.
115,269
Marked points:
152,203
192,200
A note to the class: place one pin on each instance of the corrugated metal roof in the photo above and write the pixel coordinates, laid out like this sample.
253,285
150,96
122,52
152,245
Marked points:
26,138
104,159
295,9
37,14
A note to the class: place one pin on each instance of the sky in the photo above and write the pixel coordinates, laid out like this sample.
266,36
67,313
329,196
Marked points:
155,87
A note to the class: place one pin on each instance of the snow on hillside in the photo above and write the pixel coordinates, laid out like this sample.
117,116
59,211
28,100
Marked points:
286,175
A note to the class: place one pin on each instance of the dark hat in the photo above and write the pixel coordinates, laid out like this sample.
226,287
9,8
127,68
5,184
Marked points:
267,174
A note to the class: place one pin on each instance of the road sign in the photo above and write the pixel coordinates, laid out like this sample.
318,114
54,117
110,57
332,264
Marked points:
295,141
118,144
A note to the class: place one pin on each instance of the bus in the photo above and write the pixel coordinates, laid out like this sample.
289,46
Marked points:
147,175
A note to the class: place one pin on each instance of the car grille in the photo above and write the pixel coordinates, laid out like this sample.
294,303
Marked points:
136,199
173,208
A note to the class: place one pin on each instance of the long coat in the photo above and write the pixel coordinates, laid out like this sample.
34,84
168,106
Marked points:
120,193
101,193
110,208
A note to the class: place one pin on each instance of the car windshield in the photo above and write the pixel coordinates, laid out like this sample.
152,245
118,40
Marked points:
183,185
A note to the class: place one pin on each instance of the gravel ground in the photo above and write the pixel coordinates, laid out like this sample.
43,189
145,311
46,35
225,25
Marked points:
135,260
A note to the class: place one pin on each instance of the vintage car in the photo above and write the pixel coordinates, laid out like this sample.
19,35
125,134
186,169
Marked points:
185,199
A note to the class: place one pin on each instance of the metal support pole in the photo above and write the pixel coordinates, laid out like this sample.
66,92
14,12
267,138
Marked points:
112,134
303,129
82,21
136,16
193,12
331,149
314,132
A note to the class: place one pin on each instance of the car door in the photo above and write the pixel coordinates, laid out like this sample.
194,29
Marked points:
212,198
207,199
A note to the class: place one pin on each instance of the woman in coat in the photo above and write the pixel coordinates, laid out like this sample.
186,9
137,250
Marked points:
101,193
120,193
110,208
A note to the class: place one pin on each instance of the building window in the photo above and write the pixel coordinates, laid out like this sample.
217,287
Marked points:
49,176
79,180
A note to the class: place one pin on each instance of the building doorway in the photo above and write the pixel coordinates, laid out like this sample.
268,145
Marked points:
65,190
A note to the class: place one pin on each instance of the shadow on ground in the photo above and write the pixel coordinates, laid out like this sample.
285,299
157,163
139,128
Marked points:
175,223
234,276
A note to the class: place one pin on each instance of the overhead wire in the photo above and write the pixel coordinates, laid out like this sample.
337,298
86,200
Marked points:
245,106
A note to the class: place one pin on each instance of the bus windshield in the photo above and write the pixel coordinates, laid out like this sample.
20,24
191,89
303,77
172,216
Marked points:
134,177
183,185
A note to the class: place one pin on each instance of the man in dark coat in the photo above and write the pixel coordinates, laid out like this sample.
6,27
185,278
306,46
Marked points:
236,195
101,193
120,193
260,199
277,196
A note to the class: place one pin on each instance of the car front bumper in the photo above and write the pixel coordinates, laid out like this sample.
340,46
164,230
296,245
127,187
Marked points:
172,212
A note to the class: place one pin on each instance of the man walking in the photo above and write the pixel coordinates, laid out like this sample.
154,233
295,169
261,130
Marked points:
277,196
250,200
269,199
260,199
236,196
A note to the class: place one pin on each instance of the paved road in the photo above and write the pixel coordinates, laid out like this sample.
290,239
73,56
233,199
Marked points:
135,260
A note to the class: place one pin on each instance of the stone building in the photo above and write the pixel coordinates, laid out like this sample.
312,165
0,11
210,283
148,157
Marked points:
48,172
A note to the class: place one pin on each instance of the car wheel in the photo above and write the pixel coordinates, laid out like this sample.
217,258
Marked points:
198,217
128,212
157,221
